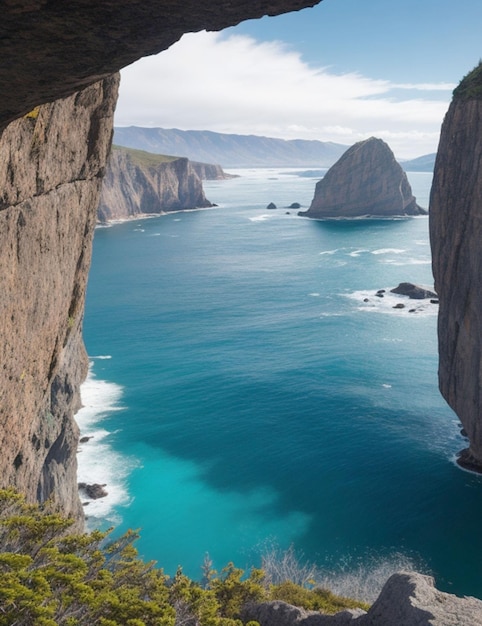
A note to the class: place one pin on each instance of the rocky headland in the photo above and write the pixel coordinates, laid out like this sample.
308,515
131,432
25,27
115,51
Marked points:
141,183
455,236
365,181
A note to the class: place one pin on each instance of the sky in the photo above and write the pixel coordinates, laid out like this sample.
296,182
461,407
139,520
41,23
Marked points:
342,71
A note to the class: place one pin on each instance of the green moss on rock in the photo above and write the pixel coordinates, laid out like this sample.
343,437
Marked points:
470,87
145,159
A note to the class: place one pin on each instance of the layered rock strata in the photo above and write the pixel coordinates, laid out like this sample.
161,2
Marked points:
365,181
51,166
138,182
51,49
407,599
456,235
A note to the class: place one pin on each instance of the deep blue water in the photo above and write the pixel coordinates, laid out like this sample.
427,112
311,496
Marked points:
261,401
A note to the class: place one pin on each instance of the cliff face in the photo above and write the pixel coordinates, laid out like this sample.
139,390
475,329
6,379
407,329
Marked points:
210,171
51,165
366,180
456,235
137,182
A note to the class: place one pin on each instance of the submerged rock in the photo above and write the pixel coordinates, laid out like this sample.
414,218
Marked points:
365,181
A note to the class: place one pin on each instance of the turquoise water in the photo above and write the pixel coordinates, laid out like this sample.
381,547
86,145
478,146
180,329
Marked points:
243,394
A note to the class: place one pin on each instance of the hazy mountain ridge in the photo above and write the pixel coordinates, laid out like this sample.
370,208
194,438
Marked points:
230,150
424,163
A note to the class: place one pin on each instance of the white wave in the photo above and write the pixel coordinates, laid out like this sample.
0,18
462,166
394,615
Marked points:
329,251
314,294
101,357
390,303
388,251
407,262
356,253
260,218
97,461
139,230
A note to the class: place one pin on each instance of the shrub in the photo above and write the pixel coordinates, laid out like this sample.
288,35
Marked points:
49,577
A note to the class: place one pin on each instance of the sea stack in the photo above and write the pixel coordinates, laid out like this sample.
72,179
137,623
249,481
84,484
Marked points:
365,181
455,235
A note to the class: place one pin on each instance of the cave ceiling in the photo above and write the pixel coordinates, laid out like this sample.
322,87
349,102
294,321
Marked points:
52,48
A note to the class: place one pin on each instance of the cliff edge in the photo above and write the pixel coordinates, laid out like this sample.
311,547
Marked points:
365,181
138,183
455,236
51,164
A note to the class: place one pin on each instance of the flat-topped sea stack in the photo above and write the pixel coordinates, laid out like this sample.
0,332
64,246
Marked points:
365,181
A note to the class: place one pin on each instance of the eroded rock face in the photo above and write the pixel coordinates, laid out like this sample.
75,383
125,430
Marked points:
366,180
456,236
51,166
132,187
51,49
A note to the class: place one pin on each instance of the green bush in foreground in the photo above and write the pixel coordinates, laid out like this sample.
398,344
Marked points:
49,578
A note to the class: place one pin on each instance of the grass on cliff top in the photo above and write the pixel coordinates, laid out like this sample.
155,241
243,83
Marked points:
470,87
145,159
49,577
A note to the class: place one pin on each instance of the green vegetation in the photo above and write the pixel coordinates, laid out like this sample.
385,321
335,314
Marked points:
145,159
49,577
470,87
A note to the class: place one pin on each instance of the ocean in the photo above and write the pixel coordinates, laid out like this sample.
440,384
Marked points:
249,393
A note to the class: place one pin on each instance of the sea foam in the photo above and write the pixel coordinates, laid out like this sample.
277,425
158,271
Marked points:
368,301
98,462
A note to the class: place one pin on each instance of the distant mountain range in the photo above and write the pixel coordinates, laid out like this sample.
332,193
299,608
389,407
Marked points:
423,163
230,150
242,150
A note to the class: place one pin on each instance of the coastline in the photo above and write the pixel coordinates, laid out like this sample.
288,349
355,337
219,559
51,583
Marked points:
98,461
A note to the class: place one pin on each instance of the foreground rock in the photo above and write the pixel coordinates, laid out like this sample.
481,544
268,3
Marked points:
456,236
407,599
414,292
365,181
138,182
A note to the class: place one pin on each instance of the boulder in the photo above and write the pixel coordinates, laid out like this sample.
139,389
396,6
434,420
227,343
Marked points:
414,292
407,599
93,491
365,181
271,205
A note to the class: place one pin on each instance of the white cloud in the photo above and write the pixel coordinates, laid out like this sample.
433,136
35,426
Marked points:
238,85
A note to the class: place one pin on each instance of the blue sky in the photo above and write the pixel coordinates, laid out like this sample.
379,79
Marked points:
342,71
